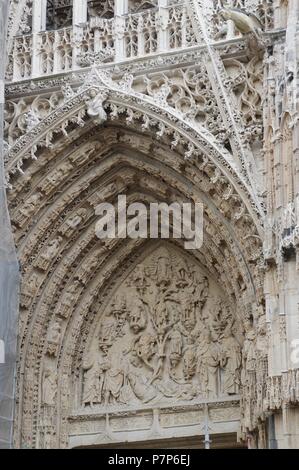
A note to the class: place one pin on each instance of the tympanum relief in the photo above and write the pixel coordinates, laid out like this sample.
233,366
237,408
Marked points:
167,335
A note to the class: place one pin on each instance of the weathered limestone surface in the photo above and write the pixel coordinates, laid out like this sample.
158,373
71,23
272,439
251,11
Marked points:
164,101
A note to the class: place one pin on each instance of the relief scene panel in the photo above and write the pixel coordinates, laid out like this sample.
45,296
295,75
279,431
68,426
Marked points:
167,336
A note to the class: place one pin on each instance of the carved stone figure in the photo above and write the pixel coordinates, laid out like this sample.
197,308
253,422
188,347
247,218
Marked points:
137,316
28,209
163,271
49,390
29,289
68,299
170,330
92,387
73,222
96,109
56,177
246,22
119,311
195,101
189,317
139,279
145,348
48,254
141,388
160,316
231,361
249,350
54,336
208,361
189,363
176,346
113,380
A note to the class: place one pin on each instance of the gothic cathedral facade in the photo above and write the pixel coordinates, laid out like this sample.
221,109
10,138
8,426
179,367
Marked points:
140,341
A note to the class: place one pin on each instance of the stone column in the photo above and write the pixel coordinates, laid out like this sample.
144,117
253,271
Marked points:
230,25
9,275
287,323
79,12
163,20
39,18
79,21
120,9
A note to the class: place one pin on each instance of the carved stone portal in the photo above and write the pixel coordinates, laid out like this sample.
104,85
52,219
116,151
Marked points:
167,336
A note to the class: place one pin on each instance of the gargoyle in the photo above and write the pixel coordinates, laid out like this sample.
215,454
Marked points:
244,21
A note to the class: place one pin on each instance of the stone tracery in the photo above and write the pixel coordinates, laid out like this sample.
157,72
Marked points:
88,263
83,137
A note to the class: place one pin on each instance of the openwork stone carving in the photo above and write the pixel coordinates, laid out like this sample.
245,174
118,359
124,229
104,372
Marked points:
190,106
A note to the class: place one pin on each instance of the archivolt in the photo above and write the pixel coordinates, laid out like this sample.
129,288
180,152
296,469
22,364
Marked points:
66,269
153,115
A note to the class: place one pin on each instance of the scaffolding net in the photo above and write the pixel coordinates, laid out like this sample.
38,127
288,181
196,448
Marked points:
9,276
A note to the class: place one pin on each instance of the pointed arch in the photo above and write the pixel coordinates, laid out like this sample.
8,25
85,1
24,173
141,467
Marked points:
102,141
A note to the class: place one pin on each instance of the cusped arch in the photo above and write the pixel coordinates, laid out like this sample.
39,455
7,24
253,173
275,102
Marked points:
75,165
153,115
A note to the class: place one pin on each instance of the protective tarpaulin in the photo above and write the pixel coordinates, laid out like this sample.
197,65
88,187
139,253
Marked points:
9,277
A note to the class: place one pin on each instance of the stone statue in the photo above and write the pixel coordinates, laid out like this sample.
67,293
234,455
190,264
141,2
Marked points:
163,271
208,361
231,362
54,336
119,311
139,279
49,390
102,381
28,208
73,222
160,316
96,108
137,316
174,332
91,382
